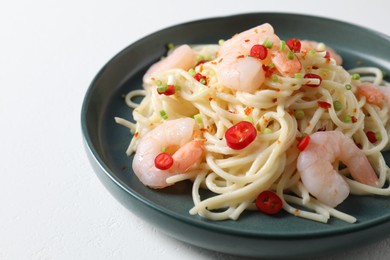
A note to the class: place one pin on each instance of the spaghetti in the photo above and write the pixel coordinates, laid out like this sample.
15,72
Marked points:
283,109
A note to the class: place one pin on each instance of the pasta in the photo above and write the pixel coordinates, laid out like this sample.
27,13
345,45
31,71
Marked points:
320,96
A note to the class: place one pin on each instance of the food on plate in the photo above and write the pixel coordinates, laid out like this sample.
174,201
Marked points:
261,123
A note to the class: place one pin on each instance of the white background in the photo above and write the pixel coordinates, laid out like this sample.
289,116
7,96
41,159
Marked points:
52,206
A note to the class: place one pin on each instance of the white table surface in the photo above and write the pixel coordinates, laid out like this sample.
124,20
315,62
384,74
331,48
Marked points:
52,205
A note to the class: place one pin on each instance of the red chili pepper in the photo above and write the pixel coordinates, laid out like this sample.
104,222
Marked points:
269,203
268,71
371,136
199,77
327,55
163,161
324,104
354,119
201,62
259,51
312,76
240,135
304,143
294,44
169,91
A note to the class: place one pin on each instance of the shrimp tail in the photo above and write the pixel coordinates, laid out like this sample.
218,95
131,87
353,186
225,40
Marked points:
362,165
188,155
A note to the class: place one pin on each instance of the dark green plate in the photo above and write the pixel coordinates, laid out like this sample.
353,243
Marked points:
253,234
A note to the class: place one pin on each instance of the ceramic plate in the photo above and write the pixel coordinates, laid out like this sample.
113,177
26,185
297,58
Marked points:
253,234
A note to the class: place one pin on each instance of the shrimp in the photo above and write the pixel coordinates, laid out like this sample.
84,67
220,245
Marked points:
239,71
374,95
386,92
284,65
245,74
183,57
312,45
318,174
172,135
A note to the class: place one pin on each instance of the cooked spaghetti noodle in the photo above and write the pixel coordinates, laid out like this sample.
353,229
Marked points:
283,110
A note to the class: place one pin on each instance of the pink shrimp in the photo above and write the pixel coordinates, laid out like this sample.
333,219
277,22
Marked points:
386,92
172,135
318,174
183,57
239,71
312,45
284,65
372,94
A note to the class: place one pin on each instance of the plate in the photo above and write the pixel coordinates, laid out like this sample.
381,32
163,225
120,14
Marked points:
254,234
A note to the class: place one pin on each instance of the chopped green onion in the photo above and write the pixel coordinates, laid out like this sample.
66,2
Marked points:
282,45
299,114
378,136
298,75
198,119
162,88
267,43
170,46
199,58
348,87
312,51
163,114
267,131
337,105
163,149
347,119
271,65
290,55
221,41
192,72
202,81
355,76
158,82
275,78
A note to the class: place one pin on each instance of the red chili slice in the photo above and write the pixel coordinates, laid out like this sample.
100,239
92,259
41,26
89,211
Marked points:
312,76
268,71
240,135
327,55
163,161
259,51
294,44
304,143
269,203
371,136
169,91
201,62
199,77
324,104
